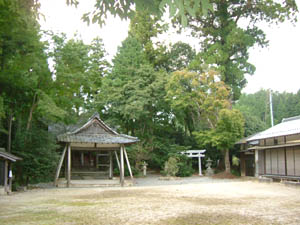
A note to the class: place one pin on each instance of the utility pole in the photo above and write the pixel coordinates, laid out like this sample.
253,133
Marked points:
271,108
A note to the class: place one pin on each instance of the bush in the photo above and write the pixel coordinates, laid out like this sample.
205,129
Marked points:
185,166
171,168
178,165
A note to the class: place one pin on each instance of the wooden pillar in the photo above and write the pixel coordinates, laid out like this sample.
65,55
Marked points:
128,164
242,164
117,159
256,158
5,175
122,165
110,165
97,159
59,166
82,158
69,166
10,176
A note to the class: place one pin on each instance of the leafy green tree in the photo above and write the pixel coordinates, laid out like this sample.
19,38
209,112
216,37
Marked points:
24,72
253,124
196,97
38,150
25,89
228,130
133,91
255,104
180,56
225,42
78,69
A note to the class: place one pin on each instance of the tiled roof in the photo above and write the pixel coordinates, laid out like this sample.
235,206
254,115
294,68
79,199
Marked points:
96,131
287,127
8,156
101,138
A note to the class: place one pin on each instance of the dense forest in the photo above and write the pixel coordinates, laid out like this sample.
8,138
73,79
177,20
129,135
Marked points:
171,97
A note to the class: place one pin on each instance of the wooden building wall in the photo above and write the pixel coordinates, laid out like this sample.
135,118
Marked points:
282,161
1,172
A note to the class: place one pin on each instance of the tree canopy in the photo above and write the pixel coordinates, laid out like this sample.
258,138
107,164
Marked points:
228,32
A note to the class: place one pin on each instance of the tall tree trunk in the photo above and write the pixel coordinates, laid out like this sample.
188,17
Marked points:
31,112
10,118
227,161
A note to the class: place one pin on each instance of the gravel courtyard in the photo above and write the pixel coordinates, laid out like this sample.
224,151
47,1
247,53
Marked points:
186,201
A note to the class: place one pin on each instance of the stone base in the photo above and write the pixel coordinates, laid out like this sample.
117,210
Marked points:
265,180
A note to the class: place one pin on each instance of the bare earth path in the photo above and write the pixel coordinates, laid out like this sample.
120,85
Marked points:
202,202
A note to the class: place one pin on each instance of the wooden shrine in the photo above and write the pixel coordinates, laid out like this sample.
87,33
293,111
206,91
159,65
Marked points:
91,148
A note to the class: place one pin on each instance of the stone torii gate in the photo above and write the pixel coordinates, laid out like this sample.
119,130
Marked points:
195,154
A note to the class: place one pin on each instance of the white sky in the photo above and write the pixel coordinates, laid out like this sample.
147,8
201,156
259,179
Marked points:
277,66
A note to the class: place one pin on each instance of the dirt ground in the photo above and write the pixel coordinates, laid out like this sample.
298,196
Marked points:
209,202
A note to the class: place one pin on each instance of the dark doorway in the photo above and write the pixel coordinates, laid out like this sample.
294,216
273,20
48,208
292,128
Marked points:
250,167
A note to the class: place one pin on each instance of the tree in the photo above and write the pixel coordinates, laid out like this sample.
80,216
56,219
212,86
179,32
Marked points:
180,56
197,97
225,42
24,72
133,91
78,69
228,130
25,89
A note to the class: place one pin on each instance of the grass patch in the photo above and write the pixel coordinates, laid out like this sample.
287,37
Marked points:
52,217
31,217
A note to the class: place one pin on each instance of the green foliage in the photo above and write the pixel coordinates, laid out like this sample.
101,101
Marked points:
171,166
164,146
180,56
79,69
2,115
225,43
133,92
235,161
229,129
178,165
185,166
196,97
126,9
37,148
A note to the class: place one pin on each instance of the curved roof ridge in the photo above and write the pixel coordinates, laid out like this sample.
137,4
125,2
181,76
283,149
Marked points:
95,116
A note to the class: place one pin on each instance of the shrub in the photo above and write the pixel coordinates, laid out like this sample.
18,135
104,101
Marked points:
171,166
185,168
